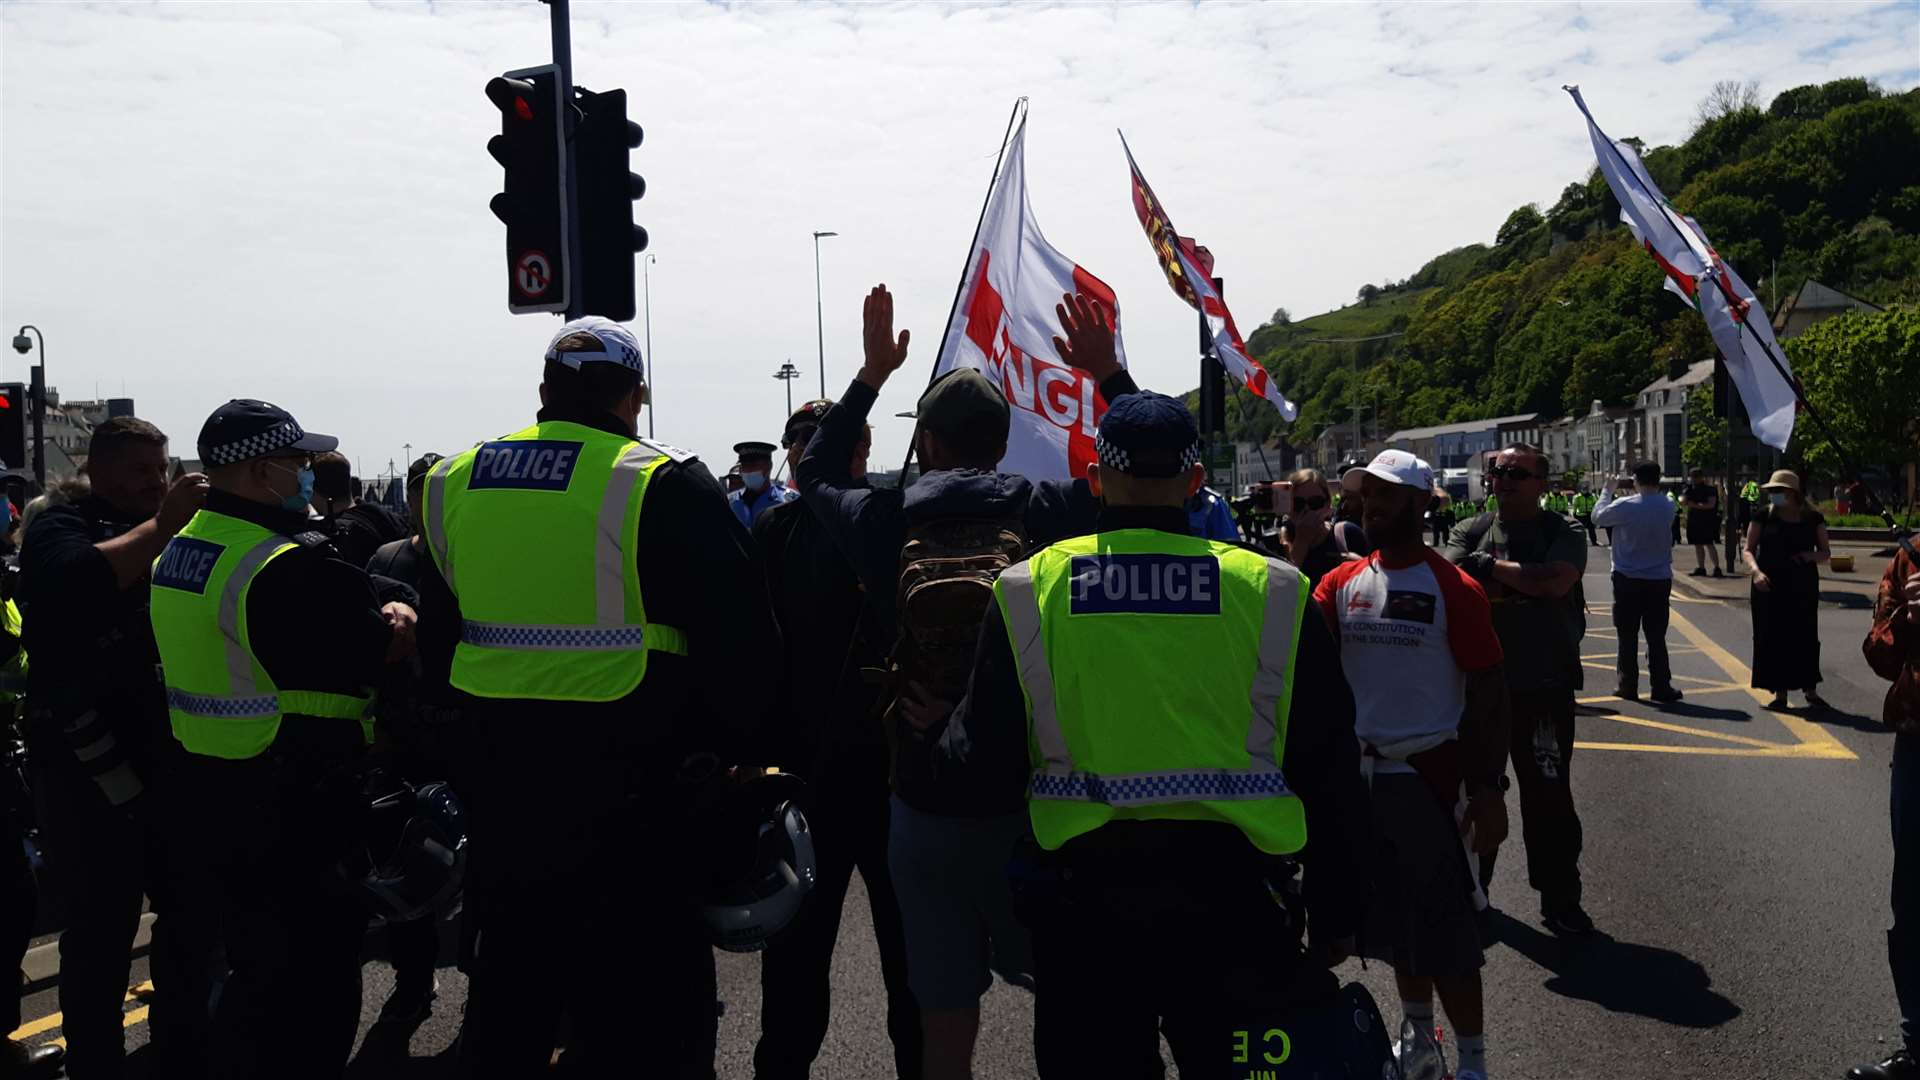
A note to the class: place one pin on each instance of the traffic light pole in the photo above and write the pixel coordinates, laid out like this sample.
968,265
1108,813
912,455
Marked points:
563,59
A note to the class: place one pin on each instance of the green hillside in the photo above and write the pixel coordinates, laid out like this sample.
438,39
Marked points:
1562,308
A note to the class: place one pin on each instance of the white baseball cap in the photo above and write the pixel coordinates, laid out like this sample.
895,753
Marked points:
1395,467
617,345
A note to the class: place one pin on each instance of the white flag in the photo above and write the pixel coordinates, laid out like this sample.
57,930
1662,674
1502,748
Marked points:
1697,275
1005,324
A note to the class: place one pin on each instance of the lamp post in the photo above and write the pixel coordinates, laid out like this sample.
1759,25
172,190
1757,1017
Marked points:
38,395
787,374
646,292
819,321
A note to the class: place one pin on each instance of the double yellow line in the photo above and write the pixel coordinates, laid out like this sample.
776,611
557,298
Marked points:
53,1020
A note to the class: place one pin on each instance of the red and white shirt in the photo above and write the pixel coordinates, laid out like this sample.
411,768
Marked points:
1409,636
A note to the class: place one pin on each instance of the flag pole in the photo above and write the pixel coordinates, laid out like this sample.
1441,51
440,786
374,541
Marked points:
1019,105
1846,460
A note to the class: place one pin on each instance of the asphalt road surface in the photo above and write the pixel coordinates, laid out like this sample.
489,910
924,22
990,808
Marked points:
1737,862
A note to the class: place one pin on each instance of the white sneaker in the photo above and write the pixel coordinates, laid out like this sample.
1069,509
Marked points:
1419,1055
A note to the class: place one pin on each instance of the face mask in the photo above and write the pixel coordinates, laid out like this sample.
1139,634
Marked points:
755,481
300,501
1777,498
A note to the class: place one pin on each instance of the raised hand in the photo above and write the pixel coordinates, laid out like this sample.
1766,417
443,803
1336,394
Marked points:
184,496
884,354
1089,341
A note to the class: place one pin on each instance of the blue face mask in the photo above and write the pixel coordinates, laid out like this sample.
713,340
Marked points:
754,481
298,503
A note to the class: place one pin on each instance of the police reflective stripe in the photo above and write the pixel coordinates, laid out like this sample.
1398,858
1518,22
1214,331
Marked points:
239,662
1149,789
322,704
436,497
1022,612
223,706
610,554
555,638
1272,694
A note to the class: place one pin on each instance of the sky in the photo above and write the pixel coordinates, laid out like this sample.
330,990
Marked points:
288,201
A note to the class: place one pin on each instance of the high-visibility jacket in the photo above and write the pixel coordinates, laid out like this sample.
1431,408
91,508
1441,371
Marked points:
1158,673
534,532
221,701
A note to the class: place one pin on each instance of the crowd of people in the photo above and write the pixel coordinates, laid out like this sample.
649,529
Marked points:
633,670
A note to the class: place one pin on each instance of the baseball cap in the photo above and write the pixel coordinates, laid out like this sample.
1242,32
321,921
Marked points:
806,418
423,465
244,429
1393,466
1149,435
617,345
961,400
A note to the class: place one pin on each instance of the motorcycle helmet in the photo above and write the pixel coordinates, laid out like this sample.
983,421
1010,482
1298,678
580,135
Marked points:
749,900
412,858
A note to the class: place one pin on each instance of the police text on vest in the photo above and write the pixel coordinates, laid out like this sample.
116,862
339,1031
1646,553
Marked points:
1145,584
186,564
527,464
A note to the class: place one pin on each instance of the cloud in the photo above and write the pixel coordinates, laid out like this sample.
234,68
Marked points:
290,200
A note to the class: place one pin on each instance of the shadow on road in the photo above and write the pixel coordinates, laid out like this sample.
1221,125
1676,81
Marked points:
1839,599
1831,717
384,1054
1704,712
1620,976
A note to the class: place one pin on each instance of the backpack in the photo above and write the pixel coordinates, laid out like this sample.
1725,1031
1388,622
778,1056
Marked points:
947,570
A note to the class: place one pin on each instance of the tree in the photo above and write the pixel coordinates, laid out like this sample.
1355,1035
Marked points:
1368,293
1727,97
1518,224
1859,370
1705,446
1281,317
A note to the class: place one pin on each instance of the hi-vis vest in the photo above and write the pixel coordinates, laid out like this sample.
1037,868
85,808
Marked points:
1158,673
221,701
534,534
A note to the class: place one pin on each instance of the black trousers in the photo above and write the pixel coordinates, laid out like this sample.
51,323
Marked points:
1549,825
100,861
257,848
1903,940
19,903
1126,953
1642,604
848,818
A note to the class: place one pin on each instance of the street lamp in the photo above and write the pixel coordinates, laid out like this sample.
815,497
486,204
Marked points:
646,290
819,322
787,374
38,395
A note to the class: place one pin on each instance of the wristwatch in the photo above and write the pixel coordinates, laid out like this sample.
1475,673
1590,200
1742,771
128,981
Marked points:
1501,785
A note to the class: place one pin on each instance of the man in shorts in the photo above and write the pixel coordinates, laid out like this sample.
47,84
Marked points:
1418,647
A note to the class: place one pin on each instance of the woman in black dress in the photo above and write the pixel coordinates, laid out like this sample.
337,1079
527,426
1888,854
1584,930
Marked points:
1786,543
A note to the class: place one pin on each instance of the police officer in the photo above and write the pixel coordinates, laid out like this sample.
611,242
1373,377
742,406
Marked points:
758,492
605,597
1161,806
269,644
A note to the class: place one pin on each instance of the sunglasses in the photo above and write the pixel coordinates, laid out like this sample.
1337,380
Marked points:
1314,503
1513,473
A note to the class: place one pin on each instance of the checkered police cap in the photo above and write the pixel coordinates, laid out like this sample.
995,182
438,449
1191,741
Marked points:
244,429
1149,435
617,345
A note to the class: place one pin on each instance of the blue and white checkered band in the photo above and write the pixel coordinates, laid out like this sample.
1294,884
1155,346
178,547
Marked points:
1113,457
259,444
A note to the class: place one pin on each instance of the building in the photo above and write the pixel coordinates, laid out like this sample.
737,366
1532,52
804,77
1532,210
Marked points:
1813,303
1336,443
1460,446
1556,441
1659,425
1600,442
67,429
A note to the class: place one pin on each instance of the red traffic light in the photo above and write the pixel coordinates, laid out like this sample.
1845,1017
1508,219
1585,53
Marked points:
521,109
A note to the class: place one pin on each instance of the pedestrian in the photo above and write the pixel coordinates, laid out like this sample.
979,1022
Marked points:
758,493
1349,509
953,529
600,653
824,726
1642,579
98,750
1786,543
271,646
1583,505
1209,516
19,894
1702,501
1530,564
358,527
1418,646
1312,544
417,724
1892,649
1146,883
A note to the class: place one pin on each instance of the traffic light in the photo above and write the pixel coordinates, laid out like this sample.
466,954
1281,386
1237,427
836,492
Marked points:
13,426
532,147
608,237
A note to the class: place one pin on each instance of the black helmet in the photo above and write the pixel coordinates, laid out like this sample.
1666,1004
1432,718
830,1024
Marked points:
750,900
412,857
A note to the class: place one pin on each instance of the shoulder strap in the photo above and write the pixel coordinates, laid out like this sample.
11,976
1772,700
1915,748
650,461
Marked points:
674,453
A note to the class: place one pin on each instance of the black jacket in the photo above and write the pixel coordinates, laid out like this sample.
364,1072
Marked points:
869,525
360,530
557,762
987,738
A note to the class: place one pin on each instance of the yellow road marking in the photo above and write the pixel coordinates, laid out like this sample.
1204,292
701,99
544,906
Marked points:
1814,739
53,1020
1688,650
1777,750
1663,725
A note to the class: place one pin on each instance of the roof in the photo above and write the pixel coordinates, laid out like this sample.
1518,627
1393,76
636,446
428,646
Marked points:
1465,426
1697,372
1819,296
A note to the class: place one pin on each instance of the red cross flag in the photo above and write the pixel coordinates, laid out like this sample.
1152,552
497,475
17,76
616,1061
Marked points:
1004,328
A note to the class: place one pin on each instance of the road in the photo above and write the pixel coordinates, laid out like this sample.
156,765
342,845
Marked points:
1737,863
